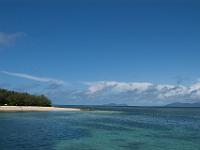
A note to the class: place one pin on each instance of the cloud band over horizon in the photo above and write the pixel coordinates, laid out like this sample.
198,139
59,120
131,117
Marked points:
101,92
131,93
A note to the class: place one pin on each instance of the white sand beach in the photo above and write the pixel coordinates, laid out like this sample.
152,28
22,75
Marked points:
34,108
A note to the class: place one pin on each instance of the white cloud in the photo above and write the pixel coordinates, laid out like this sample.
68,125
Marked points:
99,86
168,91
35,78
195,89
143,91
118,86
9,38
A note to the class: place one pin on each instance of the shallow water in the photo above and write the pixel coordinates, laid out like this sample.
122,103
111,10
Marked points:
107,128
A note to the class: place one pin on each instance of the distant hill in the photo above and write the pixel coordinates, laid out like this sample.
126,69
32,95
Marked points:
178,104
114,104
12,98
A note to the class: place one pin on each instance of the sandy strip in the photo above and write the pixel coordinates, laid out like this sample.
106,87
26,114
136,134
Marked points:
34,108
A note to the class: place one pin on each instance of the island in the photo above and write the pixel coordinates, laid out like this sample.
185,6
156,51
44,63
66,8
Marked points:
179,104
17,101
115,105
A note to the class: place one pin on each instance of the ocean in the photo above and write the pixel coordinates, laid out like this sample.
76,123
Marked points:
102,128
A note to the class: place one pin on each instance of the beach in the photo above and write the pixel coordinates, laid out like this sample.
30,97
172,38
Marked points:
34,108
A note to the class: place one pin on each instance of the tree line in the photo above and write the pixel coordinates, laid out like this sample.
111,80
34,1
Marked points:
12,98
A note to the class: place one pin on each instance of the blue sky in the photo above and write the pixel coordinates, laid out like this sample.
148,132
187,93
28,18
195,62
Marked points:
123,50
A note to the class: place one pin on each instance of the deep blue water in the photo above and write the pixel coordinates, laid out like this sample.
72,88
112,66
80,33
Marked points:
104,128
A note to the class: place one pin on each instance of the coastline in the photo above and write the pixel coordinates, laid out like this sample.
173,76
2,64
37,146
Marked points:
34,108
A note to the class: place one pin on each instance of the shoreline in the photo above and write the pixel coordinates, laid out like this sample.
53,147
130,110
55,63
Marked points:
34,108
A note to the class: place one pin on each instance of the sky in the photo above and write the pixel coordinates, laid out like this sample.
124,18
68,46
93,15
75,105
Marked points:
135,52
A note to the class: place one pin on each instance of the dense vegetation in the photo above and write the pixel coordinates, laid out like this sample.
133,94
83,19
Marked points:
12,98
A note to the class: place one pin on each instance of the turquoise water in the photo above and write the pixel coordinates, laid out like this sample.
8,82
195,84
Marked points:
110,128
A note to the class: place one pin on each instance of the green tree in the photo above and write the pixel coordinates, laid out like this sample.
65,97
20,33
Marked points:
12,98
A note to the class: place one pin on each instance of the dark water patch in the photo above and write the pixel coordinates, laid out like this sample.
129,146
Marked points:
184,136
31,132
132,124
80,147
118,140
102,126
132,145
